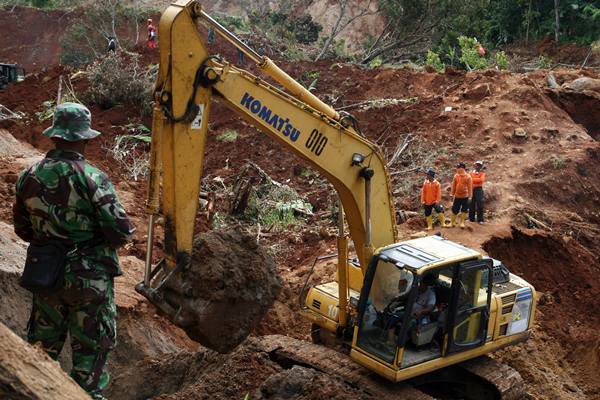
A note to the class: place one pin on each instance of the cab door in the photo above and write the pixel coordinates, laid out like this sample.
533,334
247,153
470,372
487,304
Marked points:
470,306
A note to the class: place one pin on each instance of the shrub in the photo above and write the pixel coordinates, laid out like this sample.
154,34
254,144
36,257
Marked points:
118,79
501,60
228,136
469,55
558,163
433,60
543,62
376,62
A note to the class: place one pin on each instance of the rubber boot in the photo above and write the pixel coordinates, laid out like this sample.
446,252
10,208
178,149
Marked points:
429,222
442,219
452,220
463,216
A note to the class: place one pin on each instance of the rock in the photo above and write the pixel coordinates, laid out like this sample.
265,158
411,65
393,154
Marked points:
479,92
551,81
585,83
520,134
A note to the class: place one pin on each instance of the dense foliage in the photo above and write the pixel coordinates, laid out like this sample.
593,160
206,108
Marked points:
495,22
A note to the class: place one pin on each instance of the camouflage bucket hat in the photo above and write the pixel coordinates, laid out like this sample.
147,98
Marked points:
71,123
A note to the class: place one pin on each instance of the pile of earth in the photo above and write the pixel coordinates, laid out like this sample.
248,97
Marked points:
569,314
226,290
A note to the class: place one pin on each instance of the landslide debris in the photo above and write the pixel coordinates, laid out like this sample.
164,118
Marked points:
226,291
27,373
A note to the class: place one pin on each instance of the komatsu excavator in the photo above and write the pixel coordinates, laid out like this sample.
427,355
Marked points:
480,307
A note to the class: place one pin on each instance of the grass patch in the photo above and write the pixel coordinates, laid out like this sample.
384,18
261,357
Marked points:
228,136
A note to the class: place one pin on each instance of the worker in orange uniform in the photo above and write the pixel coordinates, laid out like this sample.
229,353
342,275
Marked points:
151,34
462,189
431,196
476,207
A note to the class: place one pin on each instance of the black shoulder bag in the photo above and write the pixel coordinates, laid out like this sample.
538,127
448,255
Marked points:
44,267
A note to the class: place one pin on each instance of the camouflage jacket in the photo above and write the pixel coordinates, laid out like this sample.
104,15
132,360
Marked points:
62,198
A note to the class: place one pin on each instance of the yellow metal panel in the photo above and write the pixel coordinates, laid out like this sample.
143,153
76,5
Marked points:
182,143
435,364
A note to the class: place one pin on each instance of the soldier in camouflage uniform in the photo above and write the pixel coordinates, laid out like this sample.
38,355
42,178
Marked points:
64,199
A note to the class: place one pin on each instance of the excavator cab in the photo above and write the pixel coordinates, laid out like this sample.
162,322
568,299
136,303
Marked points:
395,341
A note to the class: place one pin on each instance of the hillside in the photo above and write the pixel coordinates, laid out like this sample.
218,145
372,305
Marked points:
542,211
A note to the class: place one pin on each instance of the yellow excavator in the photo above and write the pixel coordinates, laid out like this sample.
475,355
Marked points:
375,306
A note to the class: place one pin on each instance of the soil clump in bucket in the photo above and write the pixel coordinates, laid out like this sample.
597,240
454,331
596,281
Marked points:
229,286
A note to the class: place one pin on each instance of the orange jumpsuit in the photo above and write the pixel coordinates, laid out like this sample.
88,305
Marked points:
431,195
462,189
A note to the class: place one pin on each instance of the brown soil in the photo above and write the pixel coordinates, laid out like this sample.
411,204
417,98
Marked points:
229,286
31,37
566,273
553,175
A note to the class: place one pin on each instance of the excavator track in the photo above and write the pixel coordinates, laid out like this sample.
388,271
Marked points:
480,377
287,352
504,378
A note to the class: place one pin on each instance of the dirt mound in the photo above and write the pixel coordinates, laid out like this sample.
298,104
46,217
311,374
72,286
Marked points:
26,372
15,304
566,273
299,383
201,375
230,285
31,37
251,369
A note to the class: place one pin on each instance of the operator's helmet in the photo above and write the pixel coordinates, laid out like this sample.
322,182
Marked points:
72,122
461,165
431,173
479,162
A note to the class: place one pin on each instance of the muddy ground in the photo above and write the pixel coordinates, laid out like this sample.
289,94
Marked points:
551,175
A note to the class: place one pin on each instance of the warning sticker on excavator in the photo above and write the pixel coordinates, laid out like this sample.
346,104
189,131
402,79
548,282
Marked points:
519,319
197,122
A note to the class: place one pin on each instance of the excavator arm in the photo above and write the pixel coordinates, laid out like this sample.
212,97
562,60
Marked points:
188,79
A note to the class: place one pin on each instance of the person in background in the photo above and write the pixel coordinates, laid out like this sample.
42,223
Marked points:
431,196
211,35
462,189
476,207
151,34
112,44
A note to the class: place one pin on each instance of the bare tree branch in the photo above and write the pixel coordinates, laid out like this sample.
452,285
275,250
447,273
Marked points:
338,27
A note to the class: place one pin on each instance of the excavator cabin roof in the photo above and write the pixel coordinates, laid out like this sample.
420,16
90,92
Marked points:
426,251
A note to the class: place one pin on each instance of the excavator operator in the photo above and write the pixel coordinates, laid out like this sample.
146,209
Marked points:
393,314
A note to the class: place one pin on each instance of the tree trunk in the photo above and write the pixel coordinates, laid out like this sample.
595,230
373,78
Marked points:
557,17
334,31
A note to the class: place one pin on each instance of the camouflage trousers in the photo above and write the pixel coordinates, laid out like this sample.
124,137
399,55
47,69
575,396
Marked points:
85,308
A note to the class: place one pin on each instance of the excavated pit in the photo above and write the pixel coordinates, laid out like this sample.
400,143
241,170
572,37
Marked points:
565,275
226,291
580,102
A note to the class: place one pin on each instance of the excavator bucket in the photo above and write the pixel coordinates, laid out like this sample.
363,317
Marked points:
222,293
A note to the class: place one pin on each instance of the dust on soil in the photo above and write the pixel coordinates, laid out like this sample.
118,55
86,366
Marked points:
552,174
